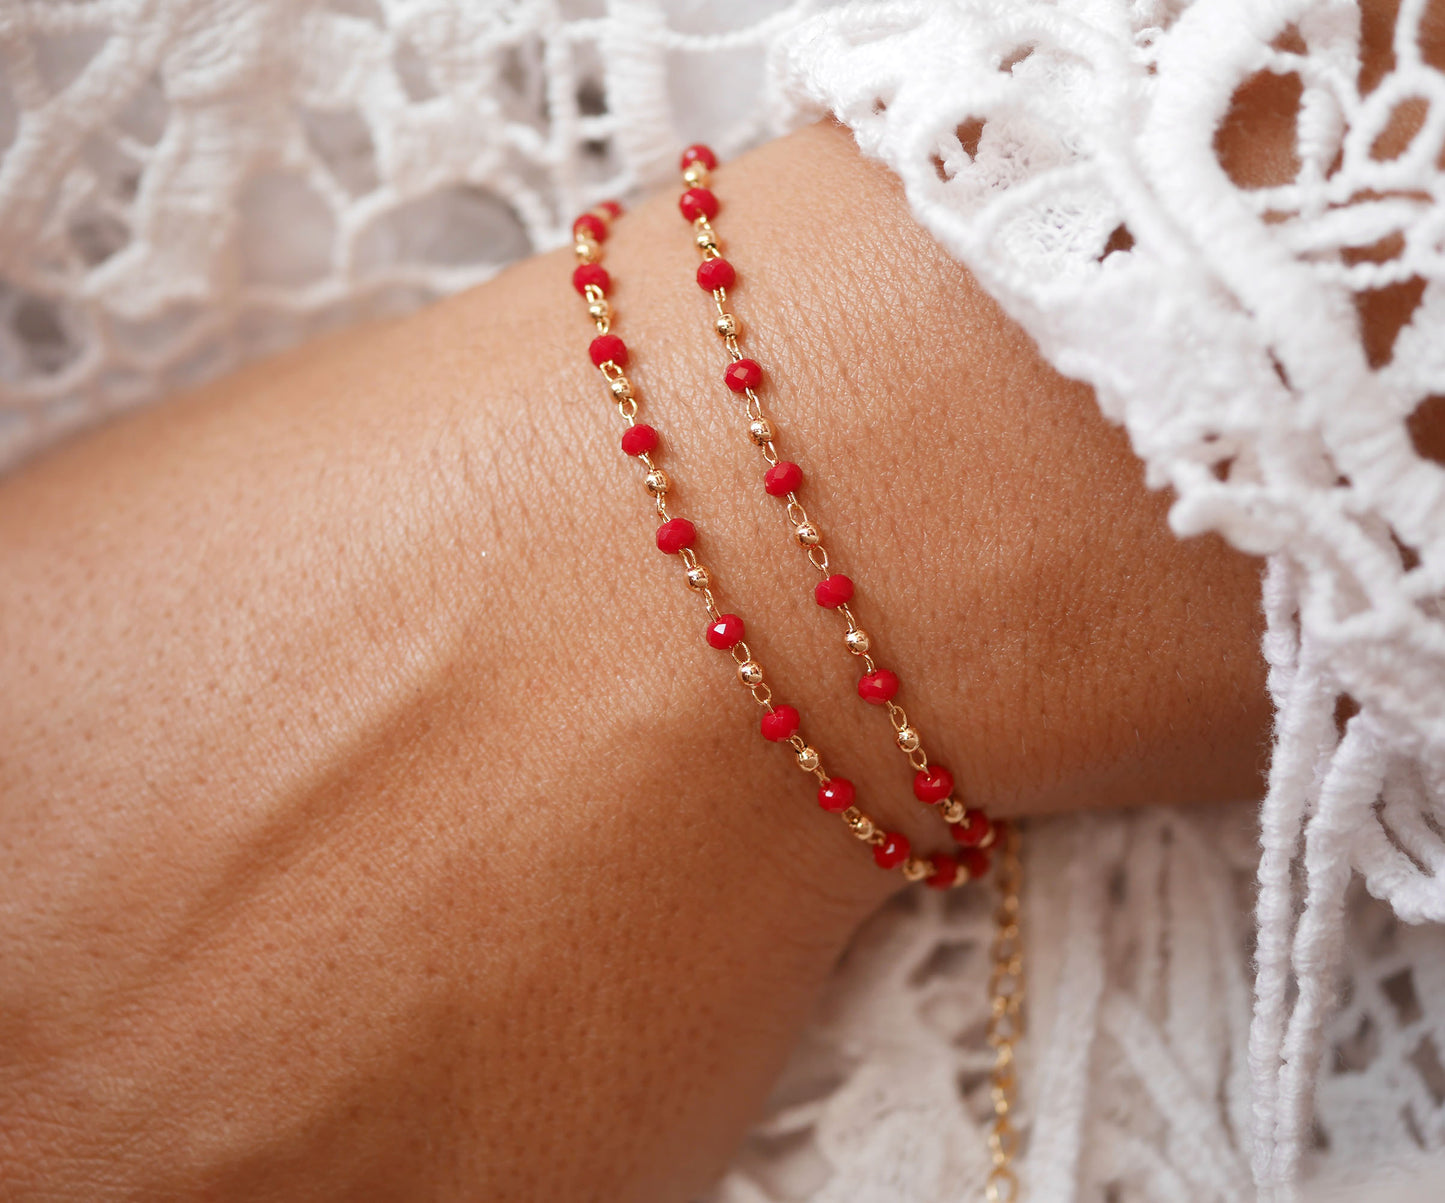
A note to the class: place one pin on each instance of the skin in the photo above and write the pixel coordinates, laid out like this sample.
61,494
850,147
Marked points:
374,820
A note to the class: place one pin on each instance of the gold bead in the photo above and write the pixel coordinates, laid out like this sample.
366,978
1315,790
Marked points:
856,641
695,176
656,482
807,534
587,251
952,811
915,869
706,239
750,673
808,759
727,326
698,578
760,430
908,739
599,311
859,823
621,387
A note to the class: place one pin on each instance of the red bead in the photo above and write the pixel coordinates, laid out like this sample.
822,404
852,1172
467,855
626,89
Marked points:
675,534
698,202
611,208
973,830
639,439
892,852
698,153
836,794
590,225
878,687
782,478
743,375
608,347
594,274
780,723
976,862
833,592
932,784
726,632
715,273
945,872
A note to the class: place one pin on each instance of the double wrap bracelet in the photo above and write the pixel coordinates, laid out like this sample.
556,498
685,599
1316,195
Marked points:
975,836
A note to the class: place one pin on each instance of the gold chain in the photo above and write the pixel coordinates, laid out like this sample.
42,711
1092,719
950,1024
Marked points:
1006,1018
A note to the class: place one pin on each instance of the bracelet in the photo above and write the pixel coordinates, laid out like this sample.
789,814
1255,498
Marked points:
933,785
726,631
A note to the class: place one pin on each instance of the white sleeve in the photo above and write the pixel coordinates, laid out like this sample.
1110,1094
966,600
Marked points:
1065,152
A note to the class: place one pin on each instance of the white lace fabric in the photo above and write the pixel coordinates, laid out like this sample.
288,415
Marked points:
188,183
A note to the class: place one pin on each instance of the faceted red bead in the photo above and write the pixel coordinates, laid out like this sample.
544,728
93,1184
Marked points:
780,723
878,687
608,347
715,273
698,202
892,852
639,439
611,208
836,794
782,478
698,153
945,872
932,784
833,591
591,273
976,862
675,534
591,225
973,830
743,375
726,632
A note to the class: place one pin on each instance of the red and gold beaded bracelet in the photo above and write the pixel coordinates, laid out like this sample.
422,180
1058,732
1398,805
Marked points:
932,784
676,536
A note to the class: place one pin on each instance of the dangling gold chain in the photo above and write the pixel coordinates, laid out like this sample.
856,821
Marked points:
1006,1019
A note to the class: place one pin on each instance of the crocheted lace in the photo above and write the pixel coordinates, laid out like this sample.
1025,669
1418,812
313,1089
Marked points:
189,183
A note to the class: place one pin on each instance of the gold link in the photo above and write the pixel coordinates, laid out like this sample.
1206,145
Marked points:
1005,1024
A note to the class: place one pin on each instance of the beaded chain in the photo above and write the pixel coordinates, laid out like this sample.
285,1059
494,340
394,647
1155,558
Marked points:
933,785
676,536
